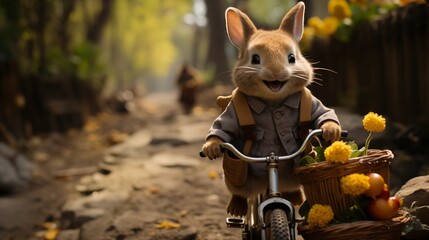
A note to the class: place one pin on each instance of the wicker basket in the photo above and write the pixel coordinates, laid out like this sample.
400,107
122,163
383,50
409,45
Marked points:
322,181
361,230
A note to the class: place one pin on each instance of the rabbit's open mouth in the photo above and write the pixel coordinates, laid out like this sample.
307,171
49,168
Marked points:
275,85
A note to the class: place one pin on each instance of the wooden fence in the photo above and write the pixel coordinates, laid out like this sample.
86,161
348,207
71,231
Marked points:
383,68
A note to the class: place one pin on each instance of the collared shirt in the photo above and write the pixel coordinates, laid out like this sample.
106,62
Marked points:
276,126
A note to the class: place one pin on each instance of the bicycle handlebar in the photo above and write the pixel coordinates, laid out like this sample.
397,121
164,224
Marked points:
316,132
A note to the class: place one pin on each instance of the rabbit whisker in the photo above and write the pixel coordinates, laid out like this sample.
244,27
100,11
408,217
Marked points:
326,69
246,67
301,77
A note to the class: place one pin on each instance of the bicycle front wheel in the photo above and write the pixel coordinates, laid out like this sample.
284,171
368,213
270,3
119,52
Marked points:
279,223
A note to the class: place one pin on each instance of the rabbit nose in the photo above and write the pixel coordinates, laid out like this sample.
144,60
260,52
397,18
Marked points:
281,75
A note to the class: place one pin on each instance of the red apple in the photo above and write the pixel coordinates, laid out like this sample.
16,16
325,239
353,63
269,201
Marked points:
376,185
380,209
395,203
385,194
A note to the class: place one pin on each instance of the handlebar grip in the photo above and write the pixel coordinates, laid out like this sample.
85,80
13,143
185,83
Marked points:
202,155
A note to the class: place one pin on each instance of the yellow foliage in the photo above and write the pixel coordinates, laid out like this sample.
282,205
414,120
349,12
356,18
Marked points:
406,2
142,34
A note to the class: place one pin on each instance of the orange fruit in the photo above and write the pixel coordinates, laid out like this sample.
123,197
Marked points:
376,185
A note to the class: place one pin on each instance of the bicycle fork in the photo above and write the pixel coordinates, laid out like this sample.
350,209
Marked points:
257,210
274,199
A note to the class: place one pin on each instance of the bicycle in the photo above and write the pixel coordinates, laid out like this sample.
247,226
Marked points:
269,211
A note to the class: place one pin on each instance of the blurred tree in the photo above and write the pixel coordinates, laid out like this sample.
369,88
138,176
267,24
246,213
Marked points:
216,56
139,42
9,85
95,28
67,8
37,49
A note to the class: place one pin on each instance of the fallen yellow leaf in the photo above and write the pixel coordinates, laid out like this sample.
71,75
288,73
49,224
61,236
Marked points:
167,225
115,136
213,174
91,125
51,234
50,225
93,138
153,190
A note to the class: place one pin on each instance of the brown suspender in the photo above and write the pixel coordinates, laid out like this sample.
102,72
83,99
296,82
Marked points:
305,117
245,117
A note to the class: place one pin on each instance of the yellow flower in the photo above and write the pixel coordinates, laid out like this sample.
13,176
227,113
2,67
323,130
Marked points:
339,9
355,184
330,25
338,152
307,38
320,215
322,28
372,122
308,34
317,24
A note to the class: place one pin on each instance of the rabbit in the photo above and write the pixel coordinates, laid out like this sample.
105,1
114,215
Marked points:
271,72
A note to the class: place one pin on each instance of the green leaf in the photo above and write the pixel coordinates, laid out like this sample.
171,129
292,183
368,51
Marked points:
355,212
306,161
357,153
350,215
353,145
320,156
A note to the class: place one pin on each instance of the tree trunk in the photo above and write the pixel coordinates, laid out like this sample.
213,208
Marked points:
10,94
217,38
40,29
95,29
63,38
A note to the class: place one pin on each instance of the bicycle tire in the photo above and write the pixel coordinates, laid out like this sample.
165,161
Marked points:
279,223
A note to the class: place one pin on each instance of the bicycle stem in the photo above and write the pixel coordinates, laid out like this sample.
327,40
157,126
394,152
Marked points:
273,176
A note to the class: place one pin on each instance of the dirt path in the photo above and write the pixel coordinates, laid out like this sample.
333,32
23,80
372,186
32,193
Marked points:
151,186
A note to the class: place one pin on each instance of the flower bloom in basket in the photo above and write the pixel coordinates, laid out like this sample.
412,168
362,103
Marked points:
371,197
355,184
341,152
338,152
363,198
372,122
320,215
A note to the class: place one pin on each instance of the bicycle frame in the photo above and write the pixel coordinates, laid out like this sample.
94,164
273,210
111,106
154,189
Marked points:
274,199
259,207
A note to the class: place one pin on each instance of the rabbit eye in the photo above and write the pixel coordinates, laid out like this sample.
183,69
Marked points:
256,59
291,58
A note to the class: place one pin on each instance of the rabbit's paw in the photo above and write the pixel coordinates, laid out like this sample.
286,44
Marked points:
237,206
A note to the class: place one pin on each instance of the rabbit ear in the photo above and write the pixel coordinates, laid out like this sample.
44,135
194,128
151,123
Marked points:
239,27
293,22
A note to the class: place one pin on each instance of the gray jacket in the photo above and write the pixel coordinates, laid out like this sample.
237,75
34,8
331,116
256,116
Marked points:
276,127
